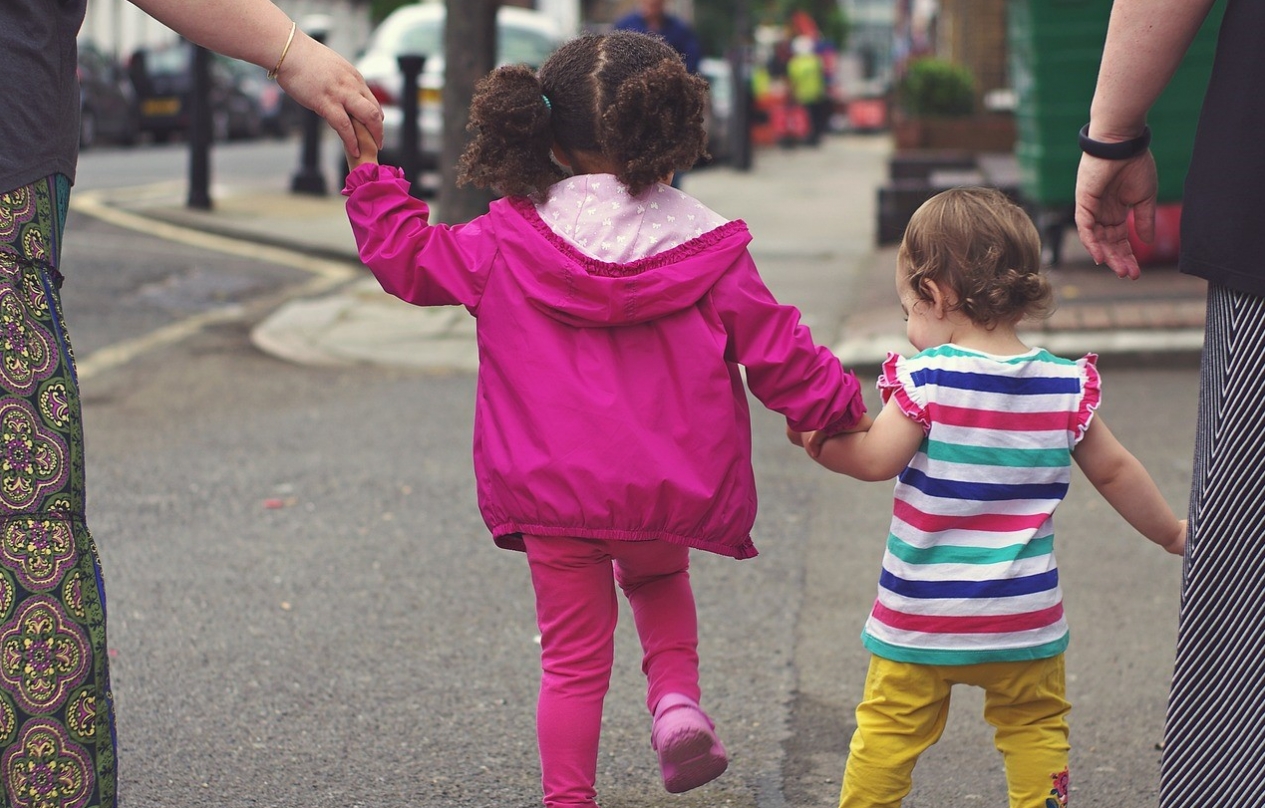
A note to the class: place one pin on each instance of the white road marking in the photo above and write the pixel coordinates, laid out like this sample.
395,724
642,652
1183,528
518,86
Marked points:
326,274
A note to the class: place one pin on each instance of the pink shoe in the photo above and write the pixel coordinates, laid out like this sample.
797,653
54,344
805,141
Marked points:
690,754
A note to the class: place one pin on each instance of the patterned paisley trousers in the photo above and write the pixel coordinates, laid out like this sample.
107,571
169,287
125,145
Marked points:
57,745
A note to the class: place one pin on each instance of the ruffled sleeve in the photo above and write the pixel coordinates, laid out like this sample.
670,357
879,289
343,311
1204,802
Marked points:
896,380
1091,395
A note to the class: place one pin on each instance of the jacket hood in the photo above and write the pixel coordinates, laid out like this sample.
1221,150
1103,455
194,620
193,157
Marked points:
582,291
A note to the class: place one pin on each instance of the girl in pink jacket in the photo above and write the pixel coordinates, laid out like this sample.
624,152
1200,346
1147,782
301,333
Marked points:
611,429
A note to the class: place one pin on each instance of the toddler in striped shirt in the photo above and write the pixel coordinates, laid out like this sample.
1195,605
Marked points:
979,431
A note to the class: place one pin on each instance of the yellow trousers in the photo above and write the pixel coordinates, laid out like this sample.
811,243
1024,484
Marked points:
905,709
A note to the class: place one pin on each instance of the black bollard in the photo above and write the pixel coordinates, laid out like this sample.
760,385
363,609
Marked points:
200,131
411,66
740,65
740,58
309,179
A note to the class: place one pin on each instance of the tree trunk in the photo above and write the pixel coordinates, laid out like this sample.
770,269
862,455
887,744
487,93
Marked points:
469,54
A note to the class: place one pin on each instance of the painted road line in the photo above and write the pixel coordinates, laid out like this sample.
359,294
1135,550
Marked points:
326,275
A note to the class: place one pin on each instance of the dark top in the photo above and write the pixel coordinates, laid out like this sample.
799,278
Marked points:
675,31
1223,205
39,89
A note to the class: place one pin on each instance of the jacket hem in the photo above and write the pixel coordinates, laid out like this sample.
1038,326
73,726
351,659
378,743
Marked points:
509,536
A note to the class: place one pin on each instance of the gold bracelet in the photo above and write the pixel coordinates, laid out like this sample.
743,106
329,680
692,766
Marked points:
272,74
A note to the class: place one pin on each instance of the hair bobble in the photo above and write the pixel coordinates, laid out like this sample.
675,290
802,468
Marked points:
548,103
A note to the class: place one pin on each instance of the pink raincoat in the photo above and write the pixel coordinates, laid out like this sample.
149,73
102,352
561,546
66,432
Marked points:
609,403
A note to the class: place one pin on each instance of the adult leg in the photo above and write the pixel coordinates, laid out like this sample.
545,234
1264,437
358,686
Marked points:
1214,739
903,712
576,611
655,577
56,712
1026,702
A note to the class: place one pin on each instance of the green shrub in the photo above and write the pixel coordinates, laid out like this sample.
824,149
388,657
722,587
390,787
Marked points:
936,87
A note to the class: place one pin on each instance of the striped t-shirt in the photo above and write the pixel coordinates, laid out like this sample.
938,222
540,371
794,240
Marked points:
969,574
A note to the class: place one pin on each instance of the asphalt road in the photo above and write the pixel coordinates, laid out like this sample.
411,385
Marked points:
305,609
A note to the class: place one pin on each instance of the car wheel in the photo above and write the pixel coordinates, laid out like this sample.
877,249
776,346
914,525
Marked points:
87,128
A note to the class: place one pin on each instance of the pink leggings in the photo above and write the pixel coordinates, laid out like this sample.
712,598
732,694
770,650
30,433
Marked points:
576,609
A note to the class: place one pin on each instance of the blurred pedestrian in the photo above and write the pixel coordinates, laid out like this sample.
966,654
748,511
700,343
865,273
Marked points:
806,73
612,431
57,736
652,18
1214,739
980,431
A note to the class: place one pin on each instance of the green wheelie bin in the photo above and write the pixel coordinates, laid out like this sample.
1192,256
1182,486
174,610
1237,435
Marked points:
1054,48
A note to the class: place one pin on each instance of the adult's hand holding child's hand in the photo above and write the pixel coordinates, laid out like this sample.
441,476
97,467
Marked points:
368,146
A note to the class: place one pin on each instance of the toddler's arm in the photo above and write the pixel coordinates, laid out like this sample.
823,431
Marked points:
880,453
368,147
1127,486
816,439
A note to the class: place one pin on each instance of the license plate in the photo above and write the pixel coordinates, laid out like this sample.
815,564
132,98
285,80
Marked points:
429,95
156,107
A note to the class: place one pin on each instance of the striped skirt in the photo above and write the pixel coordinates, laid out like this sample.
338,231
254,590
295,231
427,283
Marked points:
57,746
1214,749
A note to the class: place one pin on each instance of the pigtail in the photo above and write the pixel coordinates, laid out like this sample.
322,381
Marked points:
655,125
1027,293
510,120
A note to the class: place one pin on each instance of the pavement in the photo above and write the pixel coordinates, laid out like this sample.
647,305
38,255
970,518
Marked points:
804,202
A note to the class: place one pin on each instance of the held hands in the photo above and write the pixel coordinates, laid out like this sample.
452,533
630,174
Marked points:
1106,190
813,441
326,83
368,148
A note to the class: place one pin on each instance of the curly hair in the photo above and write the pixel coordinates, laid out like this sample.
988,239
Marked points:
622,97
984,249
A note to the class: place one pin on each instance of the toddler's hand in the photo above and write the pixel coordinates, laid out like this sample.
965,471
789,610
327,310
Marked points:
1177,544
794,437
813,441
368,147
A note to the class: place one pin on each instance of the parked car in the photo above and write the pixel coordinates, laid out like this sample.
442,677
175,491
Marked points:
163,80
278,112
524,36
107,102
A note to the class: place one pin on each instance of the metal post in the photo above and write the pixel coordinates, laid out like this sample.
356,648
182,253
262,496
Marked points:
740,65
200,131
308,178
411,66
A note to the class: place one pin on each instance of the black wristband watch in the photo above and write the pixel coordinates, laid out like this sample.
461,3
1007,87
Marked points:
1123,150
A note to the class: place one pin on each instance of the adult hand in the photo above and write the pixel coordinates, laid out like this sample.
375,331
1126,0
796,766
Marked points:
326,83
1106,190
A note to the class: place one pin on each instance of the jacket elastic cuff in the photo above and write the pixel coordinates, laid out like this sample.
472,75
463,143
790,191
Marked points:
855,412
370,172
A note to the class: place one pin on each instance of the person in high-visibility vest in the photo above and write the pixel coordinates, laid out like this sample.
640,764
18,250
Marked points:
806,73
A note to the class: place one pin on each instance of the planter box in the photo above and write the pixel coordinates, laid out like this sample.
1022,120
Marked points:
973,133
